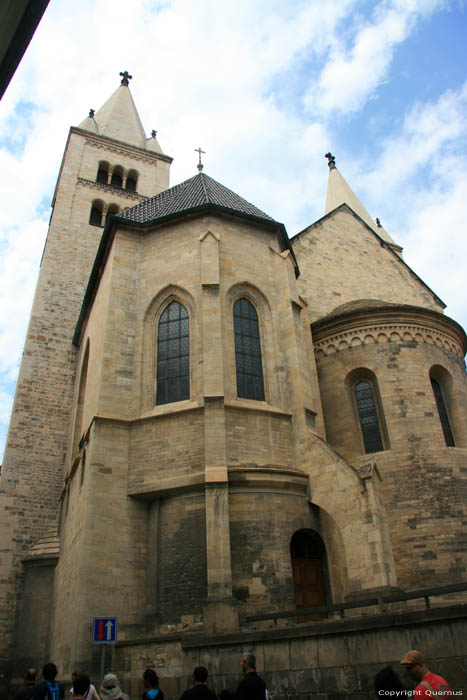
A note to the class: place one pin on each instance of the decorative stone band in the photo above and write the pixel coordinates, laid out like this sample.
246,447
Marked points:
128,194
105,144
387,323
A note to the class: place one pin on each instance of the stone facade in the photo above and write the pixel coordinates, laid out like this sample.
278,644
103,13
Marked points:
185,518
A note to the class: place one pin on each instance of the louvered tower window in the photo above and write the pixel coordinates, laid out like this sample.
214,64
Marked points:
443,414
173,355
250,383
368,416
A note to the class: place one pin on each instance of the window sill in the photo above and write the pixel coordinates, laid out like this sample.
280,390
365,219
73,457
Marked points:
256,406
171,408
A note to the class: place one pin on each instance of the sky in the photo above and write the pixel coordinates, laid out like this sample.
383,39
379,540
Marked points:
266,88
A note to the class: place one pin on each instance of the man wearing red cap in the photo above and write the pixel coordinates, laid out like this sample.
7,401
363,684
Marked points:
429,684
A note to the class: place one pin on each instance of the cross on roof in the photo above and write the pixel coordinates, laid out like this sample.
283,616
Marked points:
126,77
199,151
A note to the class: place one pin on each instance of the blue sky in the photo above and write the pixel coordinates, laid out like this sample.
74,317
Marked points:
266,88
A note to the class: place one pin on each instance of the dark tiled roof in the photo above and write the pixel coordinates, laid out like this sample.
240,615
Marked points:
198,191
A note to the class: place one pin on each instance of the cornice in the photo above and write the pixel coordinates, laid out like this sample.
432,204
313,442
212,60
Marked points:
119,147
391,323
128,194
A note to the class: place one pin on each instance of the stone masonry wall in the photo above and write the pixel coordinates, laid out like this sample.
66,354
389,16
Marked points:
341,260
327,661
423,481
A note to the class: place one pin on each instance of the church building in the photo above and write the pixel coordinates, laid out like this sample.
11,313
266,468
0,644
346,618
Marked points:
214,421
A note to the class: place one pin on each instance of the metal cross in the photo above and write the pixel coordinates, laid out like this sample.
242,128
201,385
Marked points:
199,151
125,78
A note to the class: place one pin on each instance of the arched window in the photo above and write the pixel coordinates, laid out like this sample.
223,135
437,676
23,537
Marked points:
173,355
117,177
112,209
103,173
368,415
250,384
131,180
443,414
95,217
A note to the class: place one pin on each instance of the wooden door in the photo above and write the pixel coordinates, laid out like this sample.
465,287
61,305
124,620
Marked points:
309,585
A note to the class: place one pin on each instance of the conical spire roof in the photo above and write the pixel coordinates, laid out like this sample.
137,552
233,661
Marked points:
118,118
339,193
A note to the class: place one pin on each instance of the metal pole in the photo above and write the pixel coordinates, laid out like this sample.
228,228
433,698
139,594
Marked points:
102,662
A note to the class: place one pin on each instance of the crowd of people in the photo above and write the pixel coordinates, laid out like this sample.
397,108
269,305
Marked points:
251,687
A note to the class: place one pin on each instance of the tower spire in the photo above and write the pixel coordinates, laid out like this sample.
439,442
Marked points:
339,193
118,118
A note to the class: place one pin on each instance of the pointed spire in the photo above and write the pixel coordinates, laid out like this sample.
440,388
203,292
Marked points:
339,193
118,118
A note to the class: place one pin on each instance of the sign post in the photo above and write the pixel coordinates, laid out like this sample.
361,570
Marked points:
104,631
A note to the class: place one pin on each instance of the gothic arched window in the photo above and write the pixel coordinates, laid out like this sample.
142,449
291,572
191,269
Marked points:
443,414
173,355
249,367
368,415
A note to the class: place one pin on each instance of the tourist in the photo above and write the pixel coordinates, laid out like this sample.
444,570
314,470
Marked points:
199,690
429,684
252,686
110,690
151,683
50,688
26,691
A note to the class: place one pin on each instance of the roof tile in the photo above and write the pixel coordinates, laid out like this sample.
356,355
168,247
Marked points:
195,192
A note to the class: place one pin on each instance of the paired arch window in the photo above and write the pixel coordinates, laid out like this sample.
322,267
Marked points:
97,212
103,173
112,209
131,180
368,416
95,216
442,412
173,355
117,177
250,384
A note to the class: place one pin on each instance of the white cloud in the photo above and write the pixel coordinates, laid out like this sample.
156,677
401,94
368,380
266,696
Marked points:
350,77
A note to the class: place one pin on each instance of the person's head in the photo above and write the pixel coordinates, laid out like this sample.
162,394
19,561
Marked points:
200,674
49,672
387,679
248,662
150,678
30,675
81,684
109,687
414,664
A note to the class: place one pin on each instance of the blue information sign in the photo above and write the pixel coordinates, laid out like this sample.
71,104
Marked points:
104,630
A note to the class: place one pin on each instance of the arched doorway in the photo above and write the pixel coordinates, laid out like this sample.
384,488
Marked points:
309,570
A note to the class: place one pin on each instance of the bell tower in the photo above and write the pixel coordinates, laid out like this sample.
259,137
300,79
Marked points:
108,165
